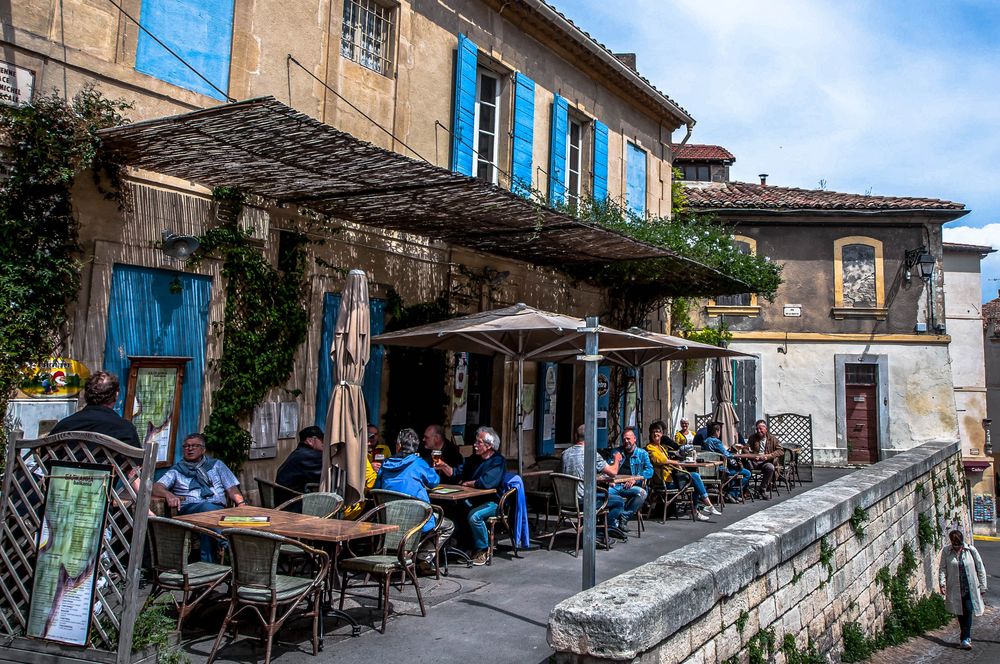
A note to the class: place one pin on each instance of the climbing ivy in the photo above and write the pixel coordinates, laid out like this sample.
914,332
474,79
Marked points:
795,656
49,142
927,535
858,519
265,321
906,616
826,554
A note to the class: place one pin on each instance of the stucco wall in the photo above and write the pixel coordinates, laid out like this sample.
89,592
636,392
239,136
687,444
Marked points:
799,377
686,606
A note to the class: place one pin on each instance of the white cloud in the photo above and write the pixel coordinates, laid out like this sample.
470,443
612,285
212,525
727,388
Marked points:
985,236
899,98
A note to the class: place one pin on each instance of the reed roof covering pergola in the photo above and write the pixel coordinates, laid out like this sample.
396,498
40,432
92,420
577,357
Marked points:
274,151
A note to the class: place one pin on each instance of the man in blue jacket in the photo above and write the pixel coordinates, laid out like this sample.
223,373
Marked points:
635,462
713,443
407,473
483,470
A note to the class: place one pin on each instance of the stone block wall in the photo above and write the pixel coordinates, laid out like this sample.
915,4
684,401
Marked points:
801,567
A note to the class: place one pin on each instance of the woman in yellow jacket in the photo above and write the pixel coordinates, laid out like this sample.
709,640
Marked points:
673,475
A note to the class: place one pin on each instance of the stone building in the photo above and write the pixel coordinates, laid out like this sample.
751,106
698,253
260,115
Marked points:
963,310
510,93
856,336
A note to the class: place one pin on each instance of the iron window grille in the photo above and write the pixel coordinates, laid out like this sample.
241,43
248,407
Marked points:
368,35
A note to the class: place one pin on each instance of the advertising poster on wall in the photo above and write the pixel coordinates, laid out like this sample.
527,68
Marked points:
69,546
55,378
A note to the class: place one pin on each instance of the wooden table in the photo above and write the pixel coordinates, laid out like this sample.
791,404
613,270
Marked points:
456,492
699,464
622,479
300,527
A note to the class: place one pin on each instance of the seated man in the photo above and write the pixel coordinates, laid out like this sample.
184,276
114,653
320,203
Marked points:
407,473
198,483
376,447
675,477
572,464
483,470
768,449
303,466
100,394
732,467
635,462
436,448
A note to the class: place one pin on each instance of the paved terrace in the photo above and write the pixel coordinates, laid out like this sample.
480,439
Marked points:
487,615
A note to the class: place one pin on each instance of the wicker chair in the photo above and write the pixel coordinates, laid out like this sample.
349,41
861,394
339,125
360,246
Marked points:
271,493
711,476
505,518
170,548
325,505
382,496
397,554
668,496
569,510
257,587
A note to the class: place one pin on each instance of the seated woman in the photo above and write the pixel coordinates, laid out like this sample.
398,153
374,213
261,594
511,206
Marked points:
674,476
684,435
485,469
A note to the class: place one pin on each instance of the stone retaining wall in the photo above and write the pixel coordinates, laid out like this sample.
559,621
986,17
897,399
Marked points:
796,568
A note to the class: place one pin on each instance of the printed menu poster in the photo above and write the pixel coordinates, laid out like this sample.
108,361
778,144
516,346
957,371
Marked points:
153,409
69,546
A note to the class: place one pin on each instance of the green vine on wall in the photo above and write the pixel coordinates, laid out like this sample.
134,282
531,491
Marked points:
49,142
264,323
858,519
906,617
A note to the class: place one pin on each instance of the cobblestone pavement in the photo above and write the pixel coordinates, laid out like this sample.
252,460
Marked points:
940,647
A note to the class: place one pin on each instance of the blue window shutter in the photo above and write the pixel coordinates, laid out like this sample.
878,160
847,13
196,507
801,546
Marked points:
557,159
463,122
147,315
635,180
524,132
200,31
372,386
600,160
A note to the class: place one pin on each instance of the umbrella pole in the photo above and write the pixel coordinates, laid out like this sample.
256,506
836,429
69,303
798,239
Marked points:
591,360
519,425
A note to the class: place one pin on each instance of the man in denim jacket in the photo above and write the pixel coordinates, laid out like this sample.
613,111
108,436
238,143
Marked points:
635,462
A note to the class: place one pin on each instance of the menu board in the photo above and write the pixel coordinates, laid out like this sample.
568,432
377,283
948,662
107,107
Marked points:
153,408
69,547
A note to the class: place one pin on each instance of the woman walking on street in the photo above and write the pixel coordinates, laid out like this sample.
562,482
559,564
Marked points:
962,578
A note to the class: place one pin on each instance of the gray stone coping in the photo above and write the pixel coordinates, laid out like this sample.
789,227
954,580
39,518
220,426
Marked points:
673,590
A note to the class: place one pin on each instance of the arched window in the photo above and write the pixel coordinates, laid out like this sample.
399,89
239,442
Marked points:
743,304
859,282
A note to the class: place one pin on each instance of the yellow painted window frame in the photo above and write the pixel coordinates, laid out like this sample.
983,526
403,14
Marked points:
840,310
751,310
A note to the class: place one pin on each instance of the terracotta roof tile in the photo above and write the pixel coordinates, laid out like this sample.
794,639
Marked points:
695,152
991,310
743,195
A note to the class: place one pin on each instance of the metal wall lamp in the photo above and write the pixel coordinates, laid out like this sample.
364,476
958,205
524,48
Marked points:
922,259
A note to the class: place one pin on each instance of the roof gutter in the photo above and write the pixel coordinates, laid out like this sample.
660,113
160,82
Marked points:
546,10
822,212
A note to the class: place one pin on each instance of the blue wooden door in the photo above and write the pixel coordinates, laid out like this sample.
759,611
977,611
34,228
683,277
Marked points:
160,313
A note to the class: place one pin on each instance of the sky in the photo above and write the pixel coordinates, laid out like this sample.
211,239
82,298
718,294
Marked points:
881,96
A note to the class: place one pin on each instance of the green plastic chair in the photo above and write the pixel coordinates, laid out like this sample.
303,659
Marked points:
170,549
397,554
325,505
258,588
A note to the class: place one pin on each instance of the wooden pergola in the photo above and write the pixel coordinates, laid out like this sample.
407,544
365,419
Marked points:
274,151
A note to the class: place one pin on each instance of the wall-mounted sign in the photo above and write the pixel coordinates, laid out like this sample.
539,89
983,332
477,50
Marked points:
56,377
69,545
16,84
793,310
153,402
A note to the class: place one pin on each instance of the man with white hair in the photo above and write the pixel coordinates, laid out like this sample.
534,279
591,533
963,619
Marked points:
485,469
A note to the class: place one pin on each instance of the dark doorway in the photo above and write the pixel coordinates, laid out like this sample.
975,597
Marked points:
861,399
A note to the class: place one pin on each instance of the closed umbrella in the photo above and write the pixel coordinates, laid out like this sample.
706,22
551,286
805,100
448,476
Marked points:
346,419
724,411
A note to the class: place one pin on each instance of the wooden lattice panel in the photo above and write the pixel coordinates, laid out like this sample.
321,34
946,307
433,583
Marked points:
793,429
22,508
702,420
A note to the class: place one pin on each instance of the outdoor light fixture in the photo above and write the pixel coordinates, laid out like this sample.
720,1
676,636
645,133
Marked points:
921,258
178,246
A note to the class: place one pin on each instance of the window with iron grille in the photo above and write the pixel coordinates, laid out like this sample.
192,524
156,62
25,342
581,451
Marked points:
368,35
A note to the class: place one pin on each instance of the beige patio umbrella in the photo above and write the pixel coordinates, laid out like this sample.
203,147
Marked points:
346,419
724,411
